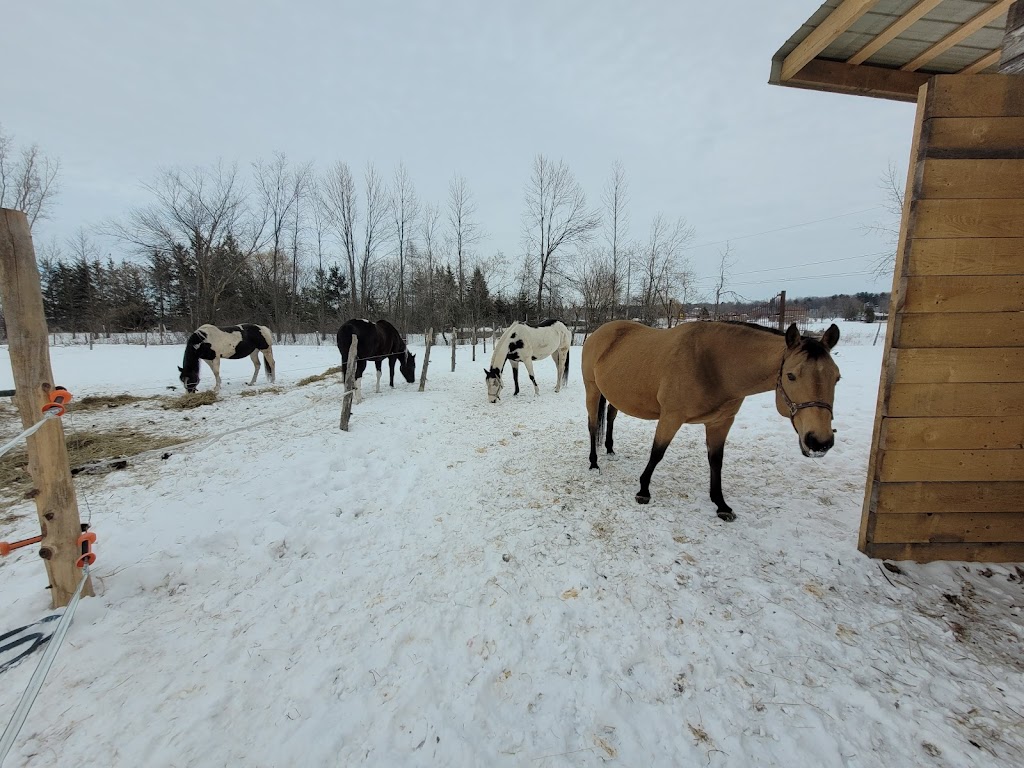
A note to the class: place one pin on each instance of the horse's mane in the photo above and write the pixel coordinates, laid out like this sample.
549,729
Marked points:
813,347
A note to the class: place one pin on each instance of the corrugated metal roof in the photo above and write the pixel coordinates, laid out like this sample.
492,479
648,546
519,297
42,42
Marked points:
940,21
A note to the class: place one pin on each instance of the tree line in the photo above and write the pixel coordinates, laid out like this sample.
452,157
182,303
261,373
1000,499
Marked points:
302,250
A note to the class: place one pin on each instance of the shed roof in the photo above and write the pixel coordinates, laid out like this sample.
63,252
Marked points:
889,48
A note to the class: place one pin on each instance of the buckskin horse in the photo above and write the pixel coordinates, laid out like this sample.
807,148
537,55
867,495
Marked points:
211,343
375,342
522,343
699,373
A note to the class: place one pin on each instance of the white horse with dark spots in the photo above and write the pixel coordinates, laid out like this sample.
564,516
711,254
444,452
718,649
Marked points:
234,342
522,343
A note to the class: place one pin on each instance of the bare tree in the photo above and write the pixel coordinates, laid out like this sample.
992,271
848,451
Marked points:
28,179
430,236
616,224
197,213
462,228
274,186
320,218
892,187
404,207
726,262
376,213
301,187
339,196
662,264
556,216
594,280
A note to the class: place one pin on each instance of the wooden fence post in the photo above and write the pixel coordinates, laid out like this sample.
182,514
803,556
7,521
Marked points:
350,384
426,359
455,340
53,491
782,310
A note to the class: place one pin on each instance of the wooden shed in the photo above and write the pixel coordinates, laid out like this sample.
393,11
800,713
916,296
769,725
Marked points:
946,471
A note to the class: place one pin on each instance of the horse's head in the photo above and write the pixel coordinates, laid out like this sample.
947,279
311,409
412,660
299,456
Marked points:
806,389
493,379
190,378
408,365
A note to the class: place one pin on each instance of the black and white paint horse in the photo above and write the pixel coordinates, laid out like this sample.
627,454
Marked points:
375,342
234,342
522,343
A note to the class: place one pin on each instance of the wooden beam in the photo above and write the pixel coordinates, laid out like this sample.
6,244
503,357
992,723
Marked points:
53,492
968,28
1011,60
894,30
963,329
950,528
926,553
824,35
956,293
863,80
983,63
915,498
957,399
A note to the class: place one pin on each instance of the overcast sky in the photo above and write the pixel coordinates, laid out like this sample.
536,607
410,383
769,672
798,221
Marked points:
676,91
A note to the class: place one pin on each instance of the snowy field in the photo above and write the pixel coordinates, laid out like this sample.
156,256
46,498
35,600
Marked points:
448,585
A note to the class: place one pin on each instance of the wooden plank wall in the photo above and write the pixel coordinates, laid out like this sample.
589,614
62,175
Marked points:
946,472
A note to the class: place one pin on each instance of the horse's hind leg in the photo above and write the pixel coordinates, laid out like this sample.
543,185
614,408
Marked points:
595,419
255,357
559,359
668,425
716,434
609,440
379,372
269,367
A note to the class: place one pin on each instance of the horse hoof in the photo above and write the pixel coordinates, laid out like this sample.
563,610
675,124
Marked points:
611,457
727,515
595,468
642,499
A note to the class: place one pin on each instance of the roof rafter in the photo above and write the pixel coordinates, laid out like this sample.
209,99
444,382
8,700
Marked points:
975,24
983,63
824,34
891,32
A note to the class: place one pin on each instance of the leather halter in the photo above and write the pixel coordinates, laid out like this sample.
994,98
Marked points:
794,407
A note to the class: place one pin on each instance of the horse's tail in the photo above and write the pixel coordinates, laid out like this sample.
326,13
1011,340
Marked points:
565,370
600,419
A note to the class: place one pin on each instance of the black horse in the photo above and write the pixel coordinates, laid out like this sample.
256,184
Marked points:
375,342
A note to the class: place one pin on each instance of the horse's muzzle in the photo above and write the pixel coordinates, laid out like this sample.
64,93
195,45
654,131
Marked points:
814,448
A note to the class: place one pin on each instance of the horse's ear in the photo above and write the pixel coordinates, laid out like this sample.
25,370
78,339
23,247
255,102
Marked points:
180,369
831,337
793,336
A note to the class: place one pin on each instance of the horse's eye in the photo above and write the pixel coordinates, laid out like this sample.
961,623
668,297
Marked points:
792,376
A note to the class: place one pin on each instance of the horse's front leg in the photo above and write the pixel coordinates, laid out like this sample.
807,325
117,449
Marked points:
360,367
255,357
391,365
715,435
215,367
529,369
668,425
515,375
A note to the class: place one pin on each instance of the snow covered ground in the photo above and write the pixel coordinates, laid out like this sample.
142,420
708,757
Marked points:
448,585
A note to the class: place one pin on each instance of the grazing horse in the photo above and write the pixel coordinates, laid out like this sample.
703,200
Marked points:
526,343
699,373
210,343
375,342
